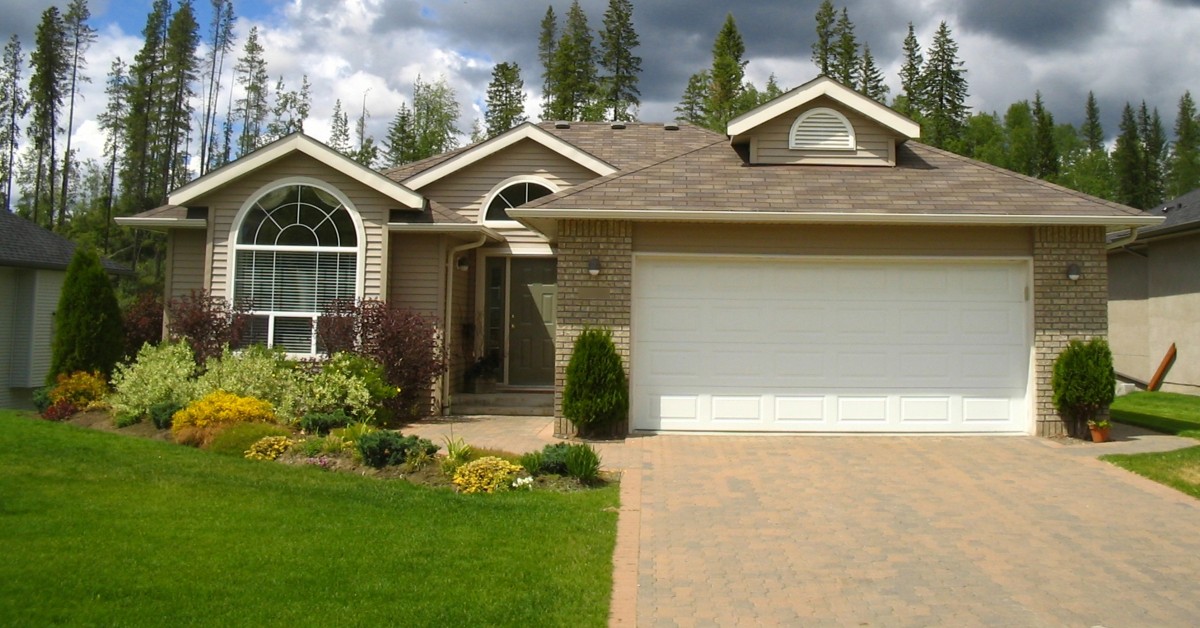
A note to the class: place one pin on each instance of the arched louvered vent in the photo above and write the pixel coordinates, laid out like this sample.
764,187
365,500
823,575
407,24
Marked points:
821,129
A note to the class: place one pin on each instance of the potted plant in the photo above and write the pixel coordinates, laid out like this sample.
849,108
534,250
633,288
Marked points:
483,373
1099,429
1084,384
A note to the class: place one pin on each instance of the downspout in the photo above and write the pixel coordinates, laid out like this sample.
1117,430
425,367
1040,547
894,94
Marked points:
1120,243
449,331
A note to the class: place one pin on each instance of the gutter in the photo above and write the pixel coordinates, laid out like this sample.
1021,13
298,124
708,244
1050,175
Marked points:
1121,243
448,334
750,216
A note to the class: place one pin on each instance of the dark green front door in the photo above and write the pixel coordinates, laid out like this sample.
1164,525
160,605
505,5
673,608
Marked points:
532,292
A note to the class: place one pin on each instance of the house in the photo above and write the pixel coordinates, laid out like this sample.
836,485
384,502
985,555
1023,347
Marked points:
814,269
33,265
1154,297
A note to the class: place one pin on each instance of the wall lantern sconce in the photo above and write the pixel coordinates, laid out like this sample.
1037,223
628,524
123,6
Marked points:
594,266
1073,272
461,263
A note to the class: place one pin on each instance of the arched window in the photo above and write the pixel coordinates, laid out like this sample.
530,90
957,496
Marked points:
297,249
822,129
513,193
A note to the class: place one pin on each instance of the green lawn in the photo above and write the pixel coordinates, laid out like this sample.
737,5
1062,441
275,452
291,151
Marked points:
1179,469
105,529
1163,412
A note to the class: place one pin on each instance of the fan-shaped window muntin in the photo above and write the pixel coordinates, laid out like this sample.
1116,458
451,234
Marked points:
822,129
513,195
296,251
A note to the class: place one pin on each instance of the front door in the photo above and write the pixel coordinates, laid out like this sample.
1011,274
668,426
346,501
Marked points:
531,297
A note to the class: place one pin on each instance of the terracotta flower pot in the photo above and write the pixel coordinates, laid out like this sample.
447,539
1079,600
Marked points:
1100,434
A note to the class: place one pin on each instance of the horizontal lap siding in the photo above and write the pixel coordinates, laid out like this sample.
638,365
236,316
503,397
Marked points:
831,240
770,140
185,264
372,206
415,272
8,321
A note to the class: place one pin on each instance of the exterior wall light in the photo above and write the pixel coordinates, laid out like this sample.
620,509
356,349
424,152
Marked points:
461,263
1073,272
594,266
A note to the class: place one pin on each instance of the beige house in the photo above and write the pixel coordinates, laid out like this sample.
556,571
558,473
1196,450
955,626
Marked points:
1154,297
814,269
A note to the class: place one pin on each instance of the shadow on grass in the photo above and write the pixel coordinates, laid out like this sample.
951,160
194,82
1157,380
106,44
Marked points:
1157,423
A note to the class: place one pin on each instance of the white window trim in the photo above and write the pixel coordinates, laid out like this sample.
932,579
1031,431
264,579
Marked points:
852,142
500,187
252,200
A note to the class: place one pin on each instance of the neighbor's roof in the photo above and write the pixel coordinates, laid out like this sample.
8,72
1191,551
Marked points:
24,243
1181,214
927,185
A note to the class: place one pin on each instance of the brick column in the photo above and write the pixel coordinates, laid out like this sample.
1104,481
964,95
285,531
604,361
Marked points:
587,301
1065,310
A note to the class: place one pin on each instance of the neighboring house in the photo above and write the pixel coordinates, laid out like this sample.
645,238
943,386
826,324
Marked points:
33,264
816,269
1154,297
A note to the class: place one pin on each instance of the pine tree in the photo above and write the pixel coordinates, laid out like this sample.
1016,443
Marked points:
909,101
1092,131
13,106
871,78
943,90
691,107
251,72
78,37
435,118
547,46
823,46
367,153
290,110
142,124
1128,162
47,87
339,132
505,99
181,70
1045,161
726,77
220,43
621,66
844,68
1154,151
573,71
111,122
88,335
400,142
773,90
1021,149
1183,166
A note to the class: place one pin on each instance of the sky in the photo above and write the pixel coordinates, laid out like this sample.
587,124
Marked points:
370,51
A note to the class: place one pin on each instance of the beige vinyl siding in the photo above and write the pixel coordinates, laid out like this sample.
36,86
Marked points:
1129,315
462,317
185,261
875,145
8,321
416,272
730,239
465,190
224,204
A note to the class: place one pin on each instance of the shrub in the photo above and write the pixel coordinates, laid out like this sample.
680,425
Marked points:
125,419
353,432
532,462
160,374
258,372
161,413
583,463
406,344
206,322
596,394
236,439
60,411
269,448
333,389
88,334
323,422
198,423
41,399
143,320
1083,382
80,388
485,475
554,459
385,448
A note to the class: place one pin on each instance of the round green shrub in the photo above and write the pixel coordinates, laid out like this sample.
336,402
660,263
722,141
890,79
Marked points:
596,394
1083,382
236,439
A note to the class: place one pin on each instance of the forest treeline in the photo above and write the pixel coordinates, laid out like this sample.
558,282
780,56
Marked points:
193,99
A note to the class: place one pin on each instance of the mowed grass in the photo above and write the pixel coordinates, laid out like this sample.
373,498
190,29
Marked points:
1179,469
1171,413
104,529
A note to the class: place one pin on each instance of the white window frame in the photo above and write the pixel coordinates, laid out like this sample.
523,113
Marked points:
503,185
852,140
233,247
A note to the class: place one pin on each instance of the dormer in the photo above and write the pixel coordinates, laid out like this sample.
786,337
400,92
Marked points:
822,123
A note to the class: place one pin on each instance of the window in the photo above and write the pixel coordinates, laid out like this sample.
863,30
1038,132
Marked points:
822,129
513,194
297,249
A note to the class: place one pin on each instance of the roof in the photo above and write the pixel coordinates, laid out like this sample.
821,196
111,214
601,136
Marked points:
1181,214
23,243
927,185
825,86
165,216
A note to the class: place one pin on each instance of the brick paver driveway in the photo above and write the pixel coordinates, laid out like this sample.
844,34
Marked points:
907,531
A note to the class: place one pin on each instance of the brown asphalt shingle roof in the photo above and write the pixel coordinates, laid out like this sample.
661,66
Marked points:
925,180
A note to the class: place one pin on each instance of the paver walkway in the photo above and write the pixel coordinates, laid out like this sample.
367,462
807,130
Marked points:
895,531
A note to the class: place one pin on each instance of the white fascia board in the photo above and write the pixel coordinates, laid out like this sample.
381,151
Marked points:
526,131
161,223
822,86
537,215
297,142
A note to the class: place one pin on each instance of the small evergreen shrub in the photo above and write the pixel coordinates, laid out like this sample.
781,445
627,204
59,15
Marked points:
80,388
1083,382
200,420
385,448
125,419
323,422
236,439
160,374
583,463
596,393
485,475
143,319
207,323
269,448
88,333
161,413
41,399
554,459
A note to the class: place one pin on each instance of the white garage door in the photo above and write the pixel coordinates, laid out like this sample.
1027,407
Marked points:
836,346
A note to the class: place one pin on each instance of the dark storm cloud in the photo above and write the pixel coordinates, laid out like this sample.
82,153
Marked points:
1036,24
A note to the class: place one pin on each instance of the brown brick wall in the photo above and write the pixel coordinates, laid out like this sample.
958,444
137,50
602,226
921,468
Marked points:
1063,309
584,300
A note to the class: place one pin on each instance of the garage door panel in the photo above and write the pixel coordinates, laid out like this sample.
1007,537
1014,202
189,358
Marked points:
796,345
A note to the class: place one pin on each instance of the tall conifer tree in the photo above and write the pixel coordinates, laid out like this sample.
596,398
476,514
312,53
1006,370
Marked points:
621,67
726,77
573,71
1092,131
845,58
13,106
78,37
943,91
1183,168
220,43
871,78
1128,162
823,46
47,88
505,99
908,101
1045,162
252,109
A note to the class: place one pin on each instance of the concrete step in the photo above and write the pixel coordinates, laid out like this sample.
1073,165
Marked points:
522,403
